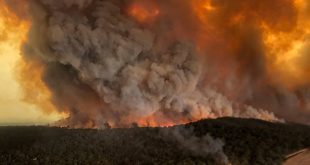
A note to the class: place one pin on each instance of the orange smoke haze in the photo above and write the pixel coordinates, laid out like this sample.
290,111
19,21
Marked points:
285,33
35,91
29,72
14,26
288,52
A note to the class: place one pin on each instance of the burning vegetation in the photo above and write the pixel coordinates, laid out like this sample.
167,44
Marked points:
163,62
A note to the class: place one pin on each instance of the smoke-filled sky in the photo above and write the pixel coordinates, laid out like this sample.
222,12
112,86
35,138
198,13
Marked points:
156,62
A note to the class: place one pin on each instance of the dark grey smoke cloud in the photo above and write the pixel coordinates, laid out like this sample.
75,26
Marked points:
102,66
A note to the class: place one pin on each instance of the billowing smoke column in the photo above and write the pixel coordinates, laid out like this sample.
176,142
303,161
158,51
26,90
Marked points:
161,62
103,67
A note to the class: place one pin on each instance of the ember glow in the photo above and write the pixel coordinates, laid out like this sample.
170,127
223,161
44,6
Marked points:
166,62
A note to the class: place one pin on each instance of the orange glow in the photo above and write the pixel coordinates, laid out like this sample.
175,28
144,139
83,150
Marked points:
202,9
143,12
288,52
9,22
159,119
237,19
26,85
35,91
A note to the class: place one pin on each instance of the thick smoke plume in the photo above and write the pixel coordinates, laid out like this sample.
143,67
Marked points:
169,61
102,66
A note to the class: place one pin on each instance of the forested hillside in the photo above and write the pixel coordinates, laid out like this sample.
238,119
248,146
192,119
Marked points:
245,141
